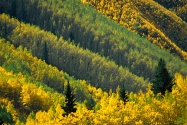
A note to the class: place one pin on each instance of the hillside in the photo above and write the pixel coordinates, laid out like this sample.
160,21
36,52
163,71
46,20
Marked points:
179,7
105,38
103,50
21,73
150,20
34,69
100,71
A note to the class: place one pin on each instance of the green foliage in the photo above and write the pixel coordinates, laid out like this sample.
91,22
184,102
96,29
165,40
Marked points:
141,109
100,71
106,38
45,53
123,94
69,101
5,117
120,55
162,80
26,93
19,60
90,103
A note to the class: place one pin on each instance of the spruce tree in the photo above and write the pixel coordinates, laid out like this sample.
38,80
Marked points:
5,117
14,8
123,95
90,103
70,101
162,80
45,53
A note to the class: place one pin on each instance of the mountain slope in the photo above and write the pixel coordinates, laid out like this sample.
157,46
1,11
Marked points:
97,49
21,61
83,64
179,7
25,96
148,19
85,27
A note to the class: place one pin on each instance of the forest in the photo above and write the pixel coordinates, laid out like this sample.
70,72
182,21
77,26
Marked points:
116,62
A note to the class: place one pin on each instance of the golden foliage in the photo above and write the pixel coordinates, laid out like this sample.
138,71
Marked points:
142,109
148,19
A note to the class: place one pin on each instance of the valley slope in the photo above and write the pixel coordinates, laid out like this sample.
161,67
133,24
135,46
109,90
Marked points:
101,48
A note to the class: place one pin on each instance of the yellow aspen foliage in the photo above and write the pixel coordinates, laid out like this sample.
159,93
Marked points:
179,104
148,19
139,122
42,117
3,101
142,108
18,122
58,112
84,116
51,117
35,99
10,108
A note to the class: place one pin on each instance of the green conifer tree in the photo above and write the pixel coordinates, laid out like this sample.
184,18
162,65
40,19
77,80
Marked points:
5,117
123,94
70,101
45,53
90,103
162,80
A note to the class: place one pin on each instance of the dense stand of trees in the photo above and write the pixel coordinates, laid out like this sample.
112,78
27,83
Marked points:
141,108
25,96
32,90
182,12
20,60
171,3
97,34
165,20
150,20
100,71
27,84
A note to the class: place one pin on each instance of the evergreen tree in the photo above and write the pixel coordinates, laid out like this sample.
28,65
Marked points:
14,8
123,94
71,36
45,53
5,117
90,103
162,80
70,101
4,32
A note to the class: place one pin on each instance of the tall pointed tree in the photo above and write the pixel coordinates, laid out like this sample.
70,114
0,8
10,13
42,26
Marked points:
70,101
123,94
45,53
90,103
5,117
162,80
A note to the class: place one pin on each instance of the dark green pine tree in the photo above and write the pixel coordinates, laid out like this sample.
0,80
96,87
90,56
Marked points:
5,117
14,8
162,80
70,101
5,33
123,94
45,53
90,103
